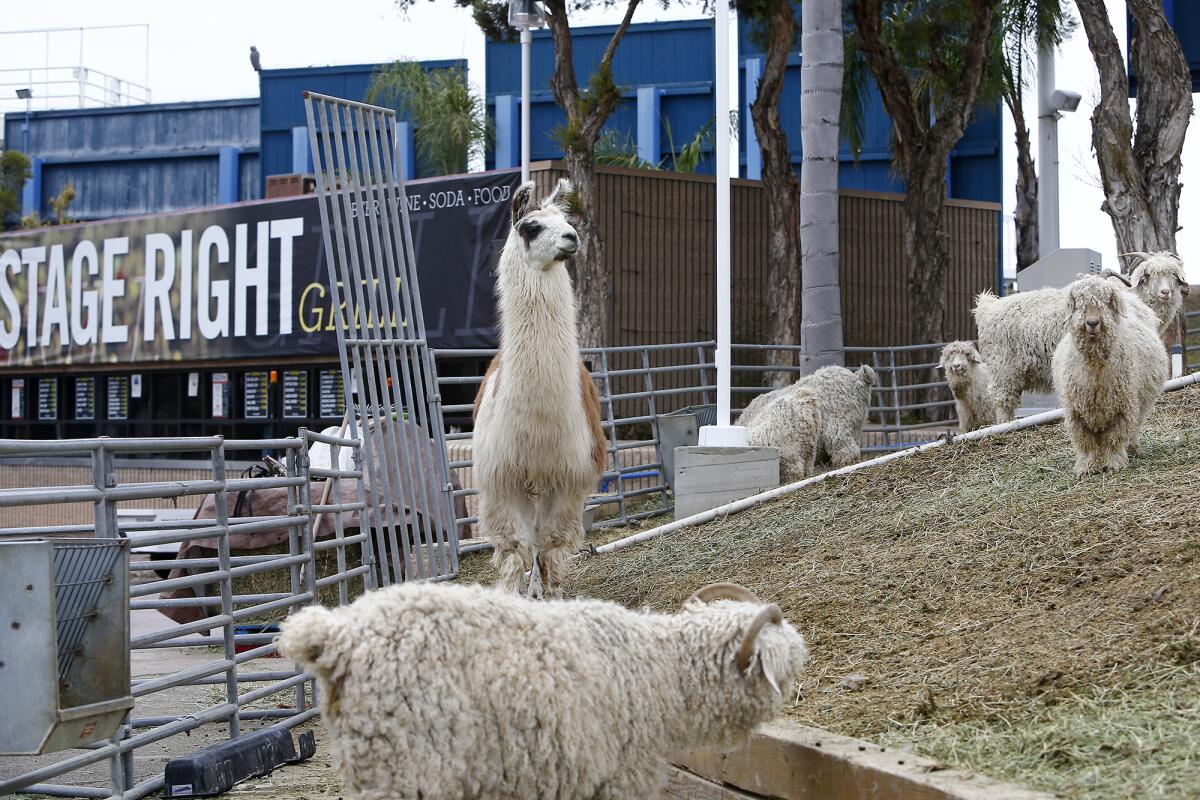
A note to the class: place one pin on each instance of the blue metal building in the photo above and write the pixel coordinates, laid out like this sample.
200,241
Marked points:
139,159
284,137
666,72
975,170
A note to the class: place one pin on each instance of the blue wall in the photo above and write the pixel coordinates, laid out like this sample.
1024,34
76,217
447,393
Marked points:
976,171
140,159
675,57
281,93
1184,17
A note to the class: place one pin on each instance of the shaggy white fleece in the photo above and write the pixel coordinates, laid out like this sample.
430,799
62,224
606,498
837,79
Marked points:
1109,370
445,691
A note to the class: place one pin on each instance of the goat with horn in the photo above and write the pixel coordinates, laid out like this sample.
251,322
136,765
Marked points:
448,691
1159,280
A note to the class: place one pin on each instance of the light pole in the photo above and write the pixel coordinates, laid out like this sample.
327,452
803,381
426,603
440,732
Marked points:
525,15
1051,102
723,434
27,96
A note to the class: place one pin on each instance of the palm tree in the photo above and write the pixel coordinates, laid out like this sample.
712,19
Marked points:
821,78
449,115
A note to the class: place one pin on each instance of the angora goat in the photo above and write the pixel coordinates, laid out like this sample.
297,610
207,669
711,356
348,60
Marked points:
969,380
791,422
440,691
843,399
1017,337
1160,282
1109,370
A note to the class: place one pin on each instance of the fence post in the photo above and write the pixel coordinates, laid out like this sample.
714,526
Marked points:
653,408
612,434
221,507
895,390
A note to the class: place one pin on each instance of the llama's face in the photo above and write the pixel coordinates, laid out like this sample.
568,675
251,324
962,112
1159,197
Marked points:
546,235
1096,306
959,358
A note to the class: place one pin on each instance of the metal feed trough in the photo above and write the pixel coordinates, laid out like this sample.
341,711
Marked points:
64,654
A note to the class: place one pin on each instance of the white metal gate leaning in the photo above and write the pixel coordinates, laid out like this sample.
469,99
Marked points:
388,372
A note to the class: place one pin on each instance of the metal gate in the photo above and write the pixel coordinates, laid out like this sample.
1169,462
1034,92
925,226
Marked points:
390,381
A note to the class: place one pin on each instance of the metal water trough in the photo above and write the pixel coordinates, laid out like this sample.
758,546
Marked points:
64,643
681,429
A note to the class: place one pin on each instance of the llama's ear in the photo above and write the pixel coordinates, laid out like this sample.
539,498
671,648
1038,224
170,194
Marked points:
562,196
521,200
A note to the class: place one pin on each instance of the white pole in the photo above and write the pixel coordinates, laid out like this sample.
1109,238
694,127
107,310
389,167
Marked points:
723,434
1047,160
526,43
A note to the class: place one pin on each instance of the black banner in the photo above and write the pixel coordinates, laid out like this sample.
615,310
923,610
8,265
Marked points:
236,282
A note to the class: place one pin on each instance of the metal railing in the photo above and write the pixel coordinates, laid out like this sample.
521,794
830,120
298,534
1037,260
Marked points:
910,404
212,599
1191,341
636,384
384,353
639,383
73,86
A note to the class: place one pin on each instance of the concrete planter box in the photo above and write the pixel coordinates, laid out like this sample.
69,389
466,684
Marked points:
707,477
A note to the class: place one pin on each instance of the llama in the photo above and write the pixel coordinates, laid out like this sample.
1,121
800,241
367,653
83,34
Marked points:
539,448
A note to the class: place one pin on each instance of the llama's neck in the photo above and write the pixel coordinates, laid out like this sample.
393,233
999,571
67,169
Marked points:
537,315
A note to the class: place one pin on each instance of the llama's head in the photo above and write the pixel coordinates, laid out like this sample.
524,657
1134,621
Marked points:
1096,307
545,234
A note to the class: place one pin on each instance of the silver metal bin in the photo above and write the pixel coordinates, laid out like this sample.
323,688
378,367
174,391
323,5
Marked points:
64,643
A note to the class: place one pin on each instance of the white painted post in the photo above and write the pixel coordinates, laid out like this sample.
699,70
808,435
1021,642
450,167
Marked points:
1047,160
526,46
723,434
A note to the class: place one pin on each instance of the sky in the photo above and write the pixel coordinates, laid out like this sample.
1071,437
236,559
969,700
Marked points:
200,52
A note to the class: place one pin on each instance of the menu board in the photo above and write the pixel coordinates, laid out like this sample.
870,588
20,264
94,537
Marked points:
18,398
118,397
85,398
220,395
332,394
295,394
47,399
256,395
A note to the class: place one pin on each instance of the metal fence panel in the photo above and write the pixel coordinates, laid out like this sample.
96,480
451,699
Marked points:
226,595
390,379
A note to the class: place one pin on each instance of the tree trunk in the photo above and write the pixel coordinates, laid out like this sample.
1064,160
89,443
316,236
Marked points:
1140,175
922,143
586,115
783,210
1025,214
820,116
591,272
926,248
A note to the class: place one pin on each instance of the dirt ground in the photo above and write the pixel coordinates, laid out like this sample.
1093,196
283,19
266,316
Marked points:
980,604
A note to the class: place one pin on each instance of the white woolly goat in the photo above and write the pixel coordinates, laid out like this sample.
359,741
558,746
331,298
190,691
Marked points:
843,400
444,691
969,379
1109,370
1017,337
791,423
1159,281
538,445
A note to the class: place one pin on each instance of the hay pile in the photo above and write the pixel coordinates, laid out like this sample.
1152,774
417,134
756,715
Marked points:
981,604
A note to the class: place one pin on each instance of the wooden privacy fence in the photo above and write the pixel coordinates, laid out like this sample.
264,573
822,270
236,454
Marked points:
659,239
